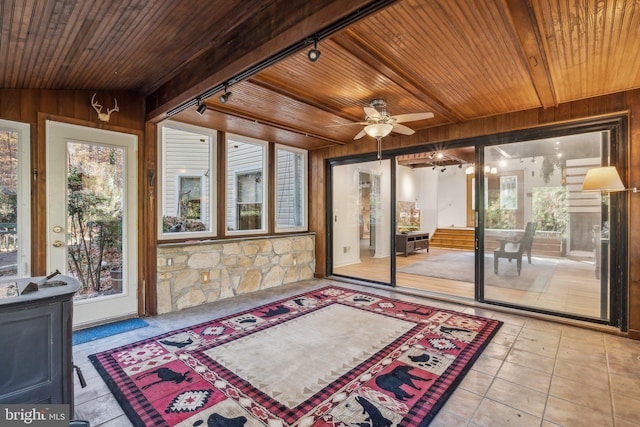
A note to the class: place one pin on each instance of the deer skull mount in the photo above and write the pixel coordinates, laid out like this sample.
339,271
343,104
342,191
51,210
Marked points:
103,116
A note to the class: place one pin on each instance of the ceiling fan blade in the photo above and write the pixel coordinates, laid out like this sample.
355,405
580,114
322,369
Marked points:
411,117
372,113
346,124
398,128
360,134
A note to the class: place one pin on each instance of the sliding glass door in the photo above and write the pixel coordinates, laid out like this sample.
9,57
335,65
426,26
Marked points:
545,240
361,220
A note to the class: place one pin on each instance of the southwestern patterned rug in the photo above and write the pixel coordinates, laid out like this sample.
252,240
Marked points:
329,357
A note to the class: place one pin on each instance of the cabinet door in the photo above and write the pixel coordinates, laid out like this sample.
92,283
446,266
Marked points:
31,358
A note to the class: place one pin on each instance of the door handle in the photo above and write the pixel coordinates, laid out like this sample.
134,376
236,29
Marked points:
57,244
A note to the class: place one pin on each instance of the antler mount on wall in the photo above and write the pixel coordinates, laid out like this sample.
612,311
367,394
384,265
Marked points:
103,116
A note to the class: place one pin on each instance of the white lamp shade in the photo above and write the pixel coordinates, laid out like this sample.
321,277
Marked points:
378,130
605,178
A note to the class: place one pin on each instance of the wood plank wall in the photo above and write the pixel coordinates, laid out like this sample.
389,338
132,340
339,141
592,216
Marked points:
35,106
593,107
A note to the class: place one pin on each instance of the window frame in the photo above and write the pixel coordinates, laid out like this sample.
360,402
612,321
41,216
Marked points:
23,193
212,173
304,187
233,175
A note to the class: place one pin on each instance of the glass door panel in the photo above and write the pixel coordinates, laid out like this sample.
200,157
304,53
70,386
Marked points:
91,218
435,235
361,225
543,236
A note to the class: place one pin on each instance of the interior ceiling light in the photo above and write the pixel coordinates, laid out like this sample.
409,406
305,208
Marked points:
202,108
226,95
378,131
314,54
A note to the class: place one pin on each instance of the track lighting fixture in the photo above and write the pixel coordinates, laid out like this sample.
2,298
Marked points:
202,108
314,53
226,95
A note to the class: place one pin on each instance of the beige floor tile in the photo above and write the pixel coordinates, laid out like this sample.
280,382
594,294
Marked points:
627,408
582,356
565,413
495,414
496,351
621,422
487,365
531,360
537,343
518,397
526,377
590,374
576,392
628,386
476,382
448,419
463,403
504,338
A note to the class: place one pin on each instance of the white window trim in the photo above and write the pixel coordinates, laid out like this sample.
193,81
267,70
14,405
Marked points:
23,224
265,184
305,189
212,196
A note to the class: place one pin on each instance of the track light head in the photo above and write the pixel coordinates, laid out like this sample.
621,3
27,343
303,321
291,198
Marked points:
202,108
314,54
225,97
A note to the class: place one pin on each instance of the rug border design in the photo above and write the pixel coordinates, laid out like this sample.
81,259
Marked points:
421,413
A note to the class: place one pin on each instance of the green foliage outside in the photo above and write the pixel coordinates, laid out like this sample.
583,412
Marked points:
94,200
550,209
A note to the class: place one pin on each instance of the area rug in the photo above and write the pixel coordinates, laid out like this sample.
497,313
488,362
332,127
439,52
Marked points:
90,334
534,277
328,357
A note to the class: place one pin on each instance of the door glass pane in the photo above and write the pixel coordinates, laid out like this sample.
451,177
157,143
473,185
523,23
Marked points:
545,238
435,235
95,197
362,220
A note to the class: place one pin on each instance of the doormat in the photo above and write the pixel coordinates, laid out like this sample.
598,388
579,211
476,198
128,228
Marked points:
460,266
90,334
328,357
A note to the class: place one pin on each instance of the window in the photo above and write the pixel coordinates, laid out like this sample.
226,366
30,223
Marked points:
291,182
246,185
187,188
15,212
509,192
190,197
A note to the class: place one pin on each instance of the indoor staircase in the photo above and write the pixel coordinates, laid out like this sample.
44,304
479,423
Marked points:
453,238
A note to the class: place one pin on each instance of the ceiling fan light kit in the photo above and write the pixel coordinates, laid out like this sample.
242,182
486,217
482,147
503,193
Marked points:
378,130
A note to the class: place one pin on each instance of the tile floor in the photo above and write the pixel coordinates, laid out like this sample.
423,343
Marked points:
533,373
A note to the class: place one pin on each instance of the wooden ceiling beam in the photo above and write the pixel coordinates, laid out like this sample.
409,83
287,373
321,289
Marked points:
280,25
261,81
525,27
358,47
271,123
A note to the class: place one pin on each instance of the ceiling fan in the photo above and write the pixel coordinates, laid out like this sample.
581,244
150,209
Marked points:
379,123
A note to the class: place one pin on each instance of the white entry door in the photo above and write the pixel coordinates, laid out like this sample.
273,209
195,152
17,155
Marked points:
92,217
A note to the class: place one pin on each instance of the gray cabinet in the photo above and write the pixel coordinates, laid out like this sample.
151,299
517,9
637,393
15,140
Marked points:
411,242
35,338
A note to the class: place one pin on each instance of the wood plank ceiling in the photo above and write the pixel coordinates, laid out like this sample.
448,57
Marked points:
460,59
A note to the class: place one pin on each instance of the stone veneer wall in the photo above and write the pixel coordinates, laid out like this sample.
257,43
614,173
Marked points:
234,267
